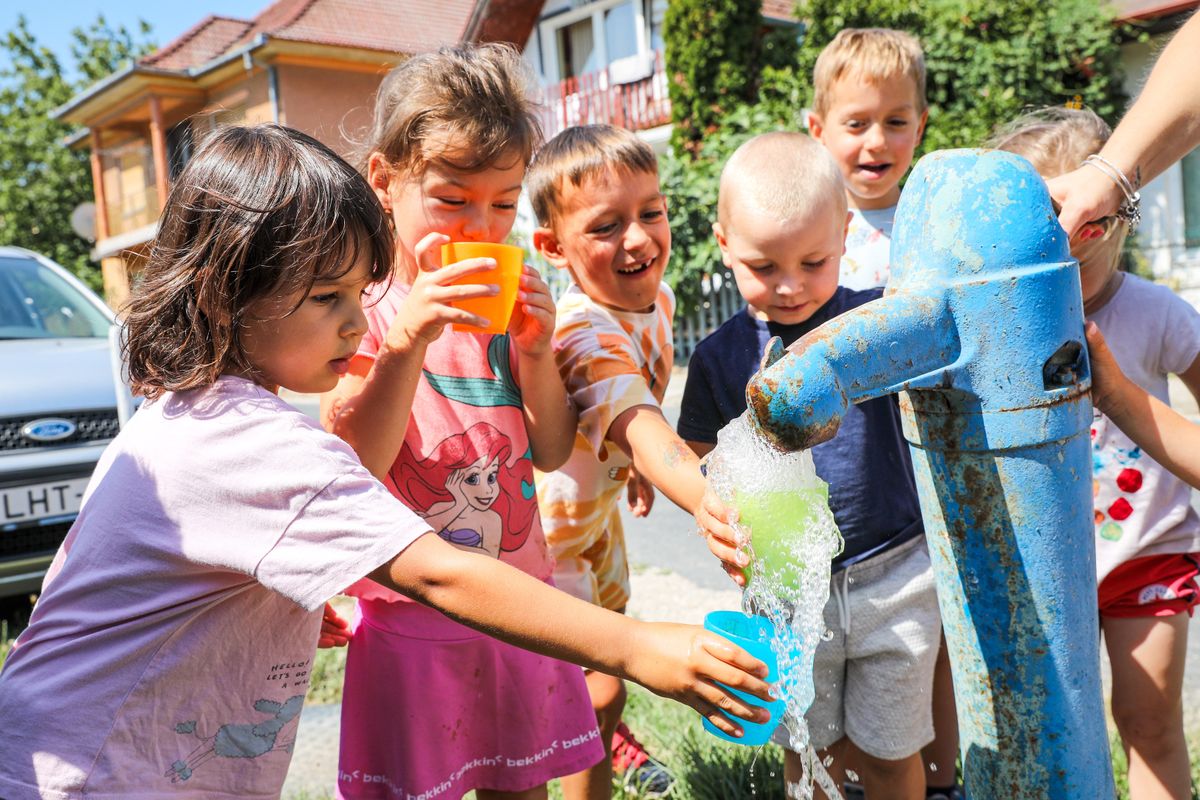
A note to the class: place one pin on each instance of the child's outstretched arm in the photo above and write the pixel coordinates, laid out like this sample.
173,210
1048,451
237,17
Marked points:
1166,435
370,406
550,417
659,455
682,662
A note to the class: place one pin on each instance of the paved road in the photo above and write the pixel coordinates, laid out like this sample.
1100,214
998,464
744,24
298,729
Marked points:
676,579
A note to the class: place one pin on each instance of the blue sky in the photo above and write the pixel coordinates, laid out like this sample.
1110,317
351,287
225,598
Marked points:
51,22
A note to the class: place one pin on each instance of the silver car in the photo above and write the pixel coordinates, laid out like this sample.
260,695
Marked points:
58,408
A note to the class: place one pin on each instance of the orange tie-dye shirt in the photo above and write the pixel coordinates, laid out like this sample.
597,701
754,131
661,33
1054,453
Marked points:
610,361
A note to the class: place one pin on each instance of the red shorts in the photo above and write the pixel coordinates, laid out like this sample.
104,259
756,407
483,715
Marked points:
1152,586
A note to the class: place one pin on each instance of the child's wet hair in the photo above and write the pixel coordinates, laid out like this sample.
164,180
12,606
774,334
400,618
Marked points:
578,153
469,107
871,55
258,212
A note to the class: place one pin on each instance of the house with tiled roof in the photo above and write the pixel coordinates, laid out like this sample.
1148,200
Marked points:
313,65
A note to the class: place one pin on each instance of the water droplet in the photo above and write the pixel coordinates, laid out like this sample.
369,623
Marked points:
933,767
852,775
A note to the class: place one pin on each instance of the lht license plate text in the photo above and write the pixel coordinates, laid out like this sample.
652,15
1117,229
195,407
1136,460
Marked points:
41,500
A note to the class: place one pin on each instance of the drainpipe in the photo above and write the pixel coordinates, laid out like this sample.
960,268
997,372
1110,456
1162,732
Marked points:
273,91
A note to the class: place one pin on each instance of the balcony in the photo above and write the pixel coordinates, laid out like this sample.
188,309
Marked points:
636,102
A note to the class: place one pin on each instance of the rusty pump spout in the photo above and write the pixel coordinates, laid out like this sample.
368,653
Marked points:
981,329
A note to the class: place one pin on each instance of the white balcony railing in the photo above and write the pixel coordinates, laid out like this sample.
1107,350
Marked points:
603,97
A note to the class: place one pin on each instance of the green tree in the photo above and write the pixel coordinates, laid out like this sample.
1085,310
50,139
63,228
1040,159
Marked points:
730,76
712,50
42,180
690,183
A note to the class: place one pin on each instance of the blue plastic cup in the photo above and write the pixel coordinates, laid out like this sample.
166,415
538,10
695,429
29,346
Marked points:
754,635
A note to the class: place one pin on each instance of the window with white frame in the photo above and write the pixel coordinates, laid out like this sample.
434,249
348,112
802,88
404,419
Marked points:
589,37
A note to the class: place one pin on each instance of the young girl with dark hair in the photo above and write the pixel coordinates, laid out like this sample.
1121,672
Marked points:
171,648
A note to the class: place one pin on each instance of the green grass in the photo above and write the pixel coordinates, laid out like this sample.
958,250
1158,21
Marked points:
705,767
326,681
5,641
1121,765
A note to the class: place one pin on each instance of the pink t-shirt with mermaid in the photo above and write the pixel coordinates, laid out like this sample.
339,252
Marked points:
466,464
432,709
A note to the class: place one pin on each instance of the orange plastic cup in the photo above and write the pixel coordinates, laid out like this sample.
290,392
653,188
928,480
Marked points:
498,308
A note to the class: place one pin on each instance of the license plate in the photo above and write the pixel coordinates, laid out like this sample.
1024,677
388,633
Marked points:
41,500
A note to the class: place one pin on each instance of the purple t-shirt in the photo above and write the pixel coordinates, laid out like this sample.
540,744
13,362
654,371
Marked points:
170,651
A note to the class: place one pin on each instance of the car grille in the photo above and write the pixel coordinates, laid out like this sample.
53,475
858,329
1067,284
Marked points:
33,539
90,426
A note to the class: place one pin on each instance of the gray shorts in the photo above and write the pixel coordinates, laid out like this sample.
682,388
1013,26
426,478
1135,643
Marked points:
874,678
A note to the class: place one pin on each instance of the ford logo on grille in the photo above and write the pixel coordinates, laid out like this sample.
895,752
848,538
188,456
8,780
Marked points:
50,429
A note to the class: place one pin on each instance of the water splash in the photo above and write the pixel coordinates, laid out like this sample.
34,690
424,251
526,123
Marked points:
785,522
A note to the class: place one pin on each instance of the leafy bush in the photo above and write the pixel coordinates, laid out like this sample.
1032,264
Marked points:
712,52
690,184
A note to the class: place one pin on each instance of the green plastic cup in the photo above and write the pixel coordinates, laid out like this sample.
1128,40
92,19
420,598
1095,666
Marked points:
776,520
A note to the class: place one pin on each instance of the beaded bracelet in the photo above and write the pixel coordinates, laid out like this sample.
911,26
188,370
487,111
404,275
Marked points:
1130,209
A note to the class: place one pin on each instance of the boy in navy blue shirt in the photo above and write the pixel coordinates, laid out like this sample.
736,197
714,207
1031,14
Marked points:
782,217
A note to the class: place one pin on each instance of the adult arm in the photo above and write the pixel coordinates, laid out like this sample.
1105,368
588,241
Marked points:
681,662
1162,127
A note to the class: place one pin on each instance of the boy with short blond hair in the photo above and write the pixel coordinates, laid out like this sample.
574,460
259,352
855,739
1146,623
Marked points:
869,110
782,218
603,218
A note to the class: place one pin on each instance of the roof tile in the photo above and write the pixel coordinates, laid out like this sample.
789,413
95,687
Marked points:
779,9
394,26
201,43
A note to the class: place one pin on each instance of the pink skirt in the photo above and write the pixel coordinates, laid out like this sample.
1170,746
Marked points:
432,709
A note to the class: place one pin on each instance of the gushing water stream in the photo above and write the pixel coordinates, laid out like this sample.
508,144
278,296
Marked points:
784,517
